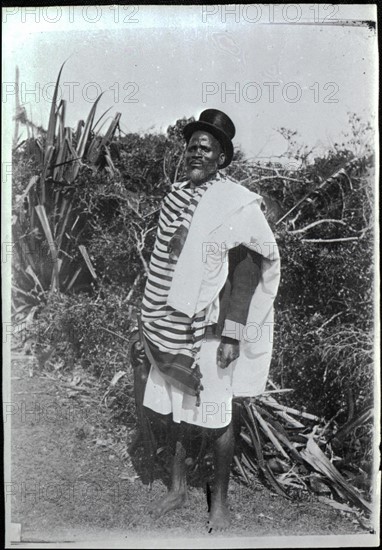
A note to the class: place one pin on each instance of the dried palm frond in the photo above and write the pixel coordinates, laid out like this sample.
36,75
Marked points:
272,443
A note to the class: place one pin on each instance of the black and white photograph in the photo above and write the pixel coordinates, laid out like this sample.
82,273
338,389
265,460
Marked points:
190,267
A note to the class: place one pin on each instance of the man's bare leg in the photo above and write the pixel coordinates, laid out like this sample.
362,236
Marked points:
219,517
177,494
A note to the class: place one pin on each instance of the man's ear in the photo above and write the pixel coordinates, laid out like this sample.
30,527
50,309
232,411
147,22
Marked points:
221,159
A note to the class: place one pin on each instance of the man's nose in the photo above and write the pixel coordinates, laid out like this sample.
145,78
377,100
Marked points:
197,152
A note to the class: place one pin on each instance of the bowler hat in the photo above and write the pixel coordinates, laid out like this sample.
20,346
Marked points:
219,125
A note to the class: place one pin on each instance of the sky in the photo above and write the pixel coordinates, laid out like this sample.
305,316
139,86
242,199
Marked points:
156,64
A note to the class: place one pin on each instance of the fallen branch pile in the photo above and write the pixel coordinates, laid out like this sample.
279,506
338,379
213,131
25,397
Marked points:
292,452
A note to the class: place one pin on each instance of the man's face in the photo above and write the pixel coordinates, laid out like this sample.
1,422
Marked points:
203,157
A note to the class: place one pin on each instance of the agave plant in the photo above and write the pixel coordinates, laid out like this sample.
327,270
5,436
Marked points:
46,220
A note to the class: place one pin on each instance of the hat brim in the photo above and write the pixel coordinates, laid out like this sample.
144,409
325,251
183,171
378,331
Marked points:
222,138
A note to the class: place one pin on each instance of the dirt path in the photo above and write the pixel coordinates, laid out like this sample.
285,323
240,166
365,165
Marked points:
71,483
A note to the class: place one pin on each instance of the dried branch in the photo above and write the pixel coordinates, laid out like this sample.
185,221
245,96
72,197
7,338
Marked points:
329,321
318,222
275,170
275,405
115,334
133,287
268,432
140,242
330,240
330,179
152,212
164,170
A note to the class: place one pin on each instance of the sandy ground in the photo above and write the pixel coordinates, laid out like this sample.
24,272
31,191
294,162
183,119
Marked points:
72,483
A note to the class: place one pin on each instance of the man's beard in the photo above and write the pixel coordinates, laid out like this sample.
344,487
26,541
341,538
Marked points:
200,175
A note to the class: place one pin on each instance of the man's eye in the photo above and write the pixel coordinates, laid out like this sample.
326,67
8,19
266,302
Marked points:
193,148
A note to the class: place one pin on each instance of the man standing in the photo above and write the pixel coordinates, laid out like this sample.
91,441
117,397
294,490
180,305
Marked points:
207,310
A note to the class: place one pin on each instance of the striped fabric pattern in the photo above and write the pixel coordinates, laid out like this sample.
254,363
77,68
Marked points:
168,330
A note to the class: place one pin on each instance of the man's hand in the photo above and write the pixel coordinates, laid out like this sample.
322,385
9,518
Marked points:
227,352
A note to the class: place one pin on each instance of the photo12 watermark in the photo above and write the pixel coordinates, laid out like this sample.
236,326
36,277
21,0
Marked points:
72,14
71,91
52,412
217,252
269,13
269,92
77,492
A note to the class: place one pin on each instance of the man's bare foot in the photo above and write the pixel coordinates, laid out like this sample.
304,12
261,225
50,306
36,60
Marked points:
219,518
170,502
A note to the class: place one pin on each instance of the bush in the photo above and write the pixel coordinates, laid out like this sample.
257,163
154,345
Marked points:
324,309
94,328
91,333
